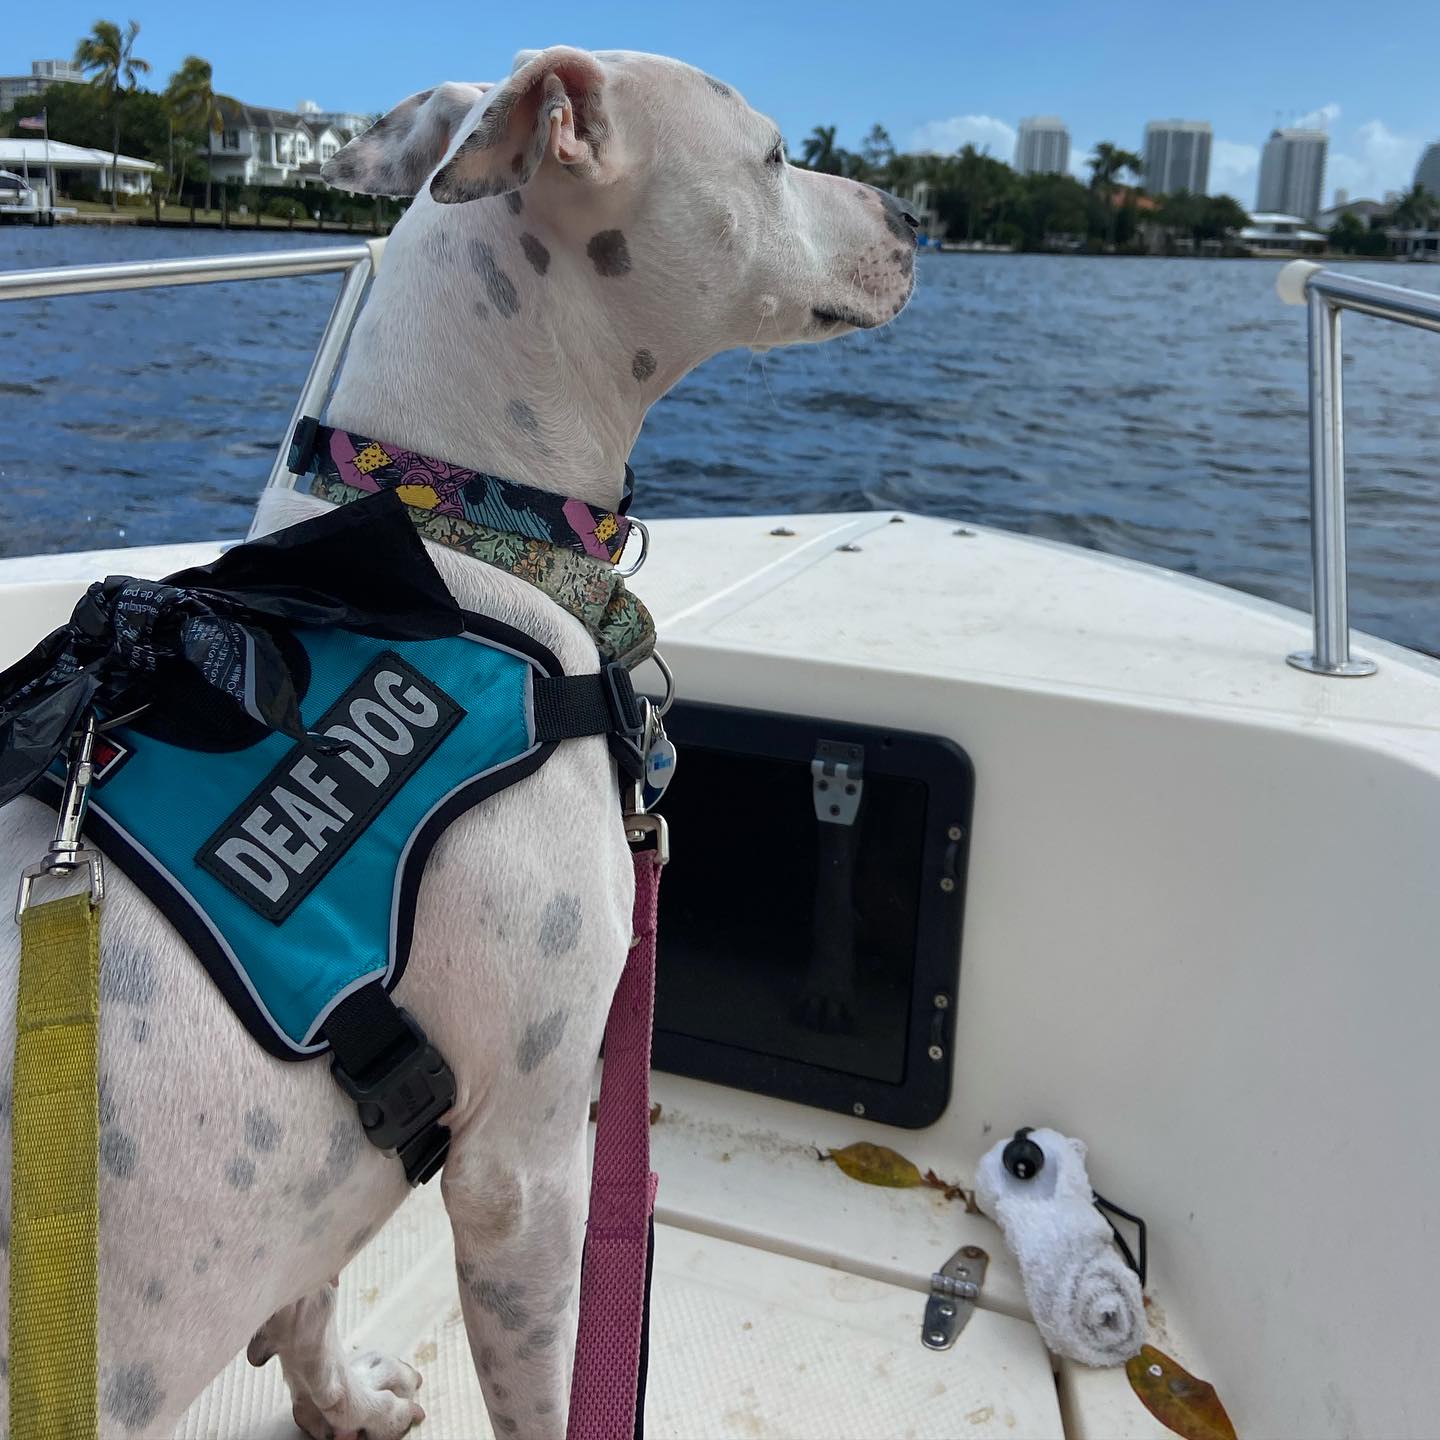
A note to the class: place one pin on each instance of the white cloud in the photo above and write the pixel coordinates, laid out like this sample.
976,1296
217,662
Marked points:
1234,168
1321,119
1373,160
945,137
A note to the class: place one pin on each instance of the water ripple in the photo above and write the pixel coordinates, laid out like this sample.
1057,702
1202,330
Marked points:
1152,409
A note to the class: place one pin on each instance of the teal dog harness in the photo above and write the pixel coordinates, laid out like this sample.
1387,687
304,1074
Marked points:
288,850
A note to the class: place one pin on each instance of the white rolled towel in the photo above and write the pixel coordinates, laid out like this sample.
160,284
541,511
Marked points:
1085,1299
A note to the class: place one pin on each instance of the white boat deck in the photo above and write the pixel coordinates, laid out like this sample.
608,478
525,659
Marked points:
745,1343
1154,823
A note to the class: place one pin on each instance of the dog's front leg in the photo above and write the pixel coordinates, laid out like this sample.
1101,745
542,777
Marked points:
518,1216
334,1397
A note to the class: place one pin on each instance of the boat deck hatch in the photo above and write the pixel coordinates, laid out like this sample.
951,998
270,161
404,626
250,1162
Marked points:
812,919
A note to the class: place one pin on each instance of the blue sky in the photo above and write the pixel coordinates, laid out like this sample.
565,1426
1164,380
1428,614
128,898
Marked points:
935,75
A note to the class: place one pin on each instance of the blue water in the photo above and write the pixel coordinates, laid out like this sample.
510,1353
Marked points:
1150,408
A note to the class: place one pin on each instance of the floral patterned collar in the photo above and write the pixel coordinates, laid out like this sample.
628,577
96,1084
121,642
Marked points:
425,483
565,548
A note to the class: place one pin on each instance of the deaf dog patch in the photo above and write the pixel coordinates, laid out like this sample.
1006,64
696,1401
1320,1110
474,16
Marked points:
306,813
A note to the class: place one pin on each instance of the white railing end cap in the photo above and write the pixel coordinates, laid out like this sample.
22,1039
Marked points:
1291,281
377,252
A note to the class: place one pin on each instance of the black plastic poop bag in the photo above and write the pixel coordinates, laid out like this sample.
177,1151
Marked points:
209,644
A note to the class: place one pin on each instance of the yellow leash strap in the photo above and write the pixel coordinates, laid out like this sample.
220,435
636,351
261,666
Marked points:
54,1190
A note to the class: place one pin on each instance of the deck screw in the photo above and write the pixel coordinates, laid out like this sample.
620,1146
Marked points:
897,519
936,1053
782,530
858,1108
848,548
1156,1371
946,1310
937,1337
942,1001
972,1252
954,833
947,884
964,533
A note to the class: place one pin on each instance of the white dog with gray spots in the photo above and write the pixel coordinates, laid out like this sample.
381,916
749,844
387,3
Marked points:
582,235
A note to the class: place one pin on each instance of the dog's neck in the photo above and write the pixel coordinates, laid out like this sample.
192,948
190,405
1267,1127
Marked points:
478,348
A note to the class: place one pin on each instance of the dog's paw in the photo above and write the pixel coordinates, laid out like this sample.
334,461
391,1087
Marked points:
376,1404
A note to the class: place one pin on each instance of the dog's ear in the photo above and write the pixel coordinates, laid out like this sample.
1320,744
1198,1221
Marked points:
396,154
553,104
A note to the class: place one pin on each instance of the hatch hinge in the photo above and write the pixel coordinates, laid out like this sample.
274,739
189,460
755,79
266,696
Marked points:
954,1291
837,779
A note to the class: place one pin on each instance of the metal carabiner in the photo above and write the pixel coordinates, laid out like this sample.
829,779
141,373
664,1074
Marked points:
68,852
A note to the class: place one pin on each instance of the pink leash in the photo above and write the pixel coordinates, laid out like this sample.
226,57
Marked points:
614,1284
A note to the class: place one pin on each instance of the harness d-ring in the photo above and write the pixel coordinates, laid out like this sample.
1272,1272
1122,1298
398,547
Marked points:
668,676
644,550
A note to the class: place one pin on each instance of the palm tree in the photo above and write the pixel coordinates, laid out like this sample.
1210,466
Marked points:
109,54
192,100
1106,162
877,149
1415,209
819,150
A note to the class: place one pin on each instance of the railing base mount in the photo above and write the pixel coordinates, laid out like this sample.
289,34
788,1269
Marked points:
1352,668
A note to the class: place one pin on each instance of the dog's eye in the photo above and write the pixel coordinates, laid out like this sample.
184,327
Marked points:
777,155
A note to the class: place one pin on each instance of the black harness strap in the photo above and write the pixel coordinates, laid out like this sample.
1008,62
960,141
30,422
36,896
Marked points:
383,1060
398,1080
569,706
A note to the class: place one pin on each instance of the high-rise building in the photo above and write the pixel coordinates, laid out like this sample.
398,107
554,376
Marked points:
1177,156
1292,173
43,74
1042,146
1427,172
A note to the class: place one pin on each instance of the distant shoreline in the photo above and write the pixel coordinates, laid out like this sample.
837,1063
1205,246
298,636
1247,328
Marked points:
146,220
268,223
1323,257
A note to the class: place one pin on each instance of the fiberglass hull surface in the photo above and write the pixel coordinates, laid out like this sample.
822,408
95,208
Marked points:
1198,934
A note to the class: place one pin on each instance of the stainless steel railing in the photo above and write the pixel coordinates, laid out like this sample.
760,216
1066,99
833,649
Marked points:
358,263
1325,294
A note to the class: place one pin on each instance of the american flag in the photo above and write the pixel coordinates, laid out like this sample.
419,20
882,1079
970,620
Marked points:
31,122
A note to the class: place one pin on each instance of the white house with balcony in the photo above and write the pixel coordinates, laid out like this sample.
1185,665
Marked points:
68,163
260,146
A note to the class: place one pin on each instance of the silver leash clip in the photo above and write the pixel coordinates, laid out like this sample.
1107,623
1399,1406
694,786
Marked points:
641,827
68,852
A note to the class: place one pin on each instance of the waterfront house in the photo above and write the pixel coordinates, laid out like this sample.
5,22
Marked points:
257,145
71,163
1272,233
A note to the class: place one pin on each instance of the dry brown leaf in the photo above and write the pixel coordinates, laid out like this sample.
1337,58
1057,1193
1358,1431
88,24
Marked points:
1179,1401
876,1165
951,1192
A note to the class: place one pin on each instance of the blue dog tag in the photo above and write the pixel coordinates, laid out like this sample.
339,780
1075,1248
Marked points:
659,767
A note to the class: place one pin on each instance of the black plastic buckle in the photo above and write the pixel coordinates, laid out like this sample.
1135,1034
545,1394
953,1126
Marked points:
627,720
401,1099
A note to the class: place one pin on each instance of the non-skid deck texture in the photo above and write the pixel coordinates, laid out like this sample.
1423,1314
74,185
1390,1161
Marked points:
744,1343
